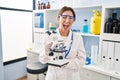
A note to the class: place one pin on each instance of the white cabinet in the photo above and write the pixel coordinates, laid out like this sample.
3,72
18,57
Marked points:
114,78
1,59
107,13
110,41
41,20
117,57
90,72
92,75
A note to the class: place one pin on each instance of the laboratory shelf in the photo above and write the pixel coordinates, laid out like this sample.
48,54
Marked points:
89,34
110,36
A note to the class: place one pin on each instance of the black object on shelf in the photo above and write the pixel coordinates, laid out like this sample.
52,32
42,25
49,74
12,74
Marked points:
108,26
115,22
115,28
114,18
119,25
112,24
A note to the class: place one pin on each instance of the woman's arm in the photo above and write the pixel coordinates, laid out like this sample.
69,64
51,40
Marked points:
44,55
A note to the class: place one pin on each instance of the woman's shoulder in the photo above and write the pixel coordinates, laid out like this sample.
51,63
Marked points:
77,34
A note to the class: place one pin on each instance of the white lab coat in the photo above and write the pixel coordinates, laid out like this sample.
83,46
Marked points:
76,59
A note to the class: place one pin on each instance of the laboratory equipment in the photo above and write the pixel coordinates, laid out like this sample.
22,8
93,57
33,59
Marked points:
57,51
95,22
85,26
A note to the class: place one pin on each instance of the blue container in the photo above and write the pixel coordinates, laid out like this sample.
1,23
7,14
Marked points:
85,26
88,60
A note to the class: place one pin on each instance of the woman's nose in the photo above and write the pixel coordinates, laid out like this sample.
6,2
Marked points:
68,19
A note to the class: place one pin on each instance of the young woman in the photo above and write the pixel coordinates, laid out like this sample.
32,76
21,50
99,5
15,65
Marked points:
75,53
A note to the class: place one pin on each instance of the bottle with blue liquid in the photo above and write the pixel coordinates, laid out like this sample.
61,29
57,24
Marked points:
85,26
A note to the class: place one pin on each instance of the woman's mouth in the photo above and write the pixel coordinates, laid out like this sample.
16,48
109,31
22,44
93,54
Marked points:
65,26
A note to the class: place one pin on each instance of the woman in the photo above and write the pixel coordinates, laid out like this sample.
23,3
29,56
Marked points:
75,54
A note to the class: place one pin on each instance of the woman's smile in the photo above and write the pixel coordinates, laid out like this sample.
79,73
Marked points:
65,27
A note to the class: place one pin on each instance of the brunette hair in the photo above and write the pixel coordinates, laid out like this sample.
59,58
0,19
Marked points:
65,8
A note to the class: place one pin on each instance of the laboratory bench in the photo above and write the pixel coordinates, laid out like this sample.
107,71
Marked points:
88,72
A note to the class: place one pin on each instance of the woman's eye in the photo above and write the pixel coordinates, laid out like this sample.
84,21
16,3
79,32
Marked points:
64,17
71,17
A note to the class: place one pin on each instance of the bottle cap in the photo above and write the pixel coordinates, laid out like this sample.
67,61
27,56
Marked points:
85,20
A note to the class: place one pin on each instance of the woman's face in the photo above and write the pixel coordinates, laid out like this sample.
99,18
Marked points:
65,20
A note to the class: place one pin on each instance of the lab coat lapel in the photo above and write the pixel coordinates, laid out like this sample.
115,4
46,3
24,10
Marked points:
58,33
69,38
68,42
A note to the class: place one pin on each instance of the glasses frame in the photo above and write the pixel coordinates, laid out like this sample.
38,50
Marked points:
67,16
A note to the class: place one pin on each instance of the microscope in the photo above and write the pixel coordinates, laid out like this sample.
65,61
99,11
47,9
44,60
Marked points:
57,51
58,48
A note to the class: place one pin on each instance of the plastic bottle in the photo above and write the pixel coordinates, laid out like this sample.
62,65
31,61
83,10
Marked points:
114,18
88,59
115,28
44,6
115,23
95,23
108,26
48,5
39,5
94,54
119,25
85,26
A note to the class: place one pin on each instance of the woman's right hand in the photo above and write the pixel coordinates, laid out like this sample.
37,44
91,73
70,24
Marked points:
47,47
46,58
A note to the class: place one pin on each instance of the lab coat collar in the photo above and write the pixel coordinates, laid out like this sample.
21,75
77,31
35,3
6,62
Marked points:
68,37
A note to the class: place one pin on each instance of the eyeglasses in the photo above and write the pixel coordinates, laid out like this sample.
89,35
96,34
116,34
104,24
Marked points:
65,17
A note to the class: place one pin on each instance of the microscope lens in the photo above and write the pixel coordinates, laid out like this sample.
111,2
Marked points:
53,58
60,57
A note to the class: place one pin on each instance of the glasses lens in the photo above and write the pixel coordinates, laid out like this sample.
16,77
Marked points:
65,17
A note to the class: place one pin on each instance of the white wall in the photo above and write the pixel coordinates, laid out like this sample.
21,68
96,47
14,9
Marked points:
10,21
16,28
1,60
17,4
